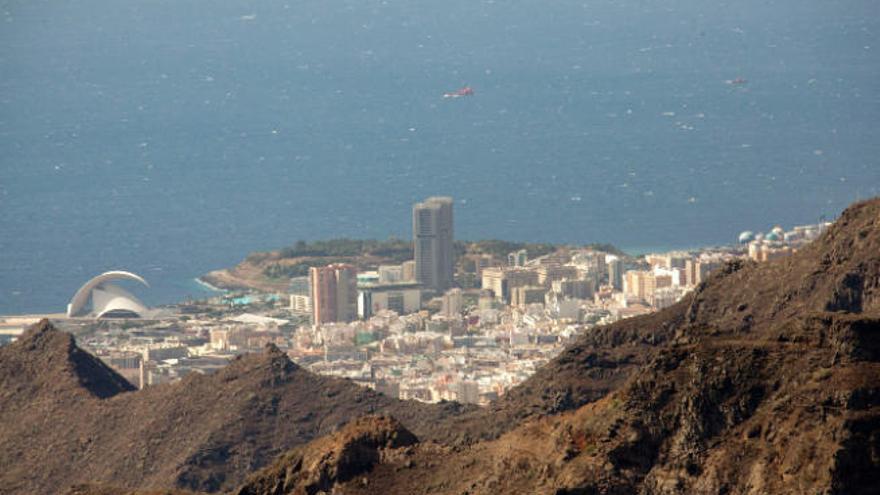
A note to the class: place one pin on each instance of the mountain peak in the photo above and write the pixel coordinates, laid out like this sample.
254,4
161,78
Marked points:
42,336
47,359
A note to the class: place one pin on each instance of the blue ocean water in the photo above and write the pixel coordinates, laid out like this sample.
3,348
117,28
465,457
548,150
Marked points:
173,137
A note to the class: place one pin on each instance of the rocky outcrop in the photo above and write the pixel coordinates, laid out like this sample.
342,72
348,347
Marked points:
336,458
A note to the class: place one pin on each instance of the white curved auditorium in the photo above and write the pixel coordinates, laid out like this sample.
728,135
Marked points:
107,300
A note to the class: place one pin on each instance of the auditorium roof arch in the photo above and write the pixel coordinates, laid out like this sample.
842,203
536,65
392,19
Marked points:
107,299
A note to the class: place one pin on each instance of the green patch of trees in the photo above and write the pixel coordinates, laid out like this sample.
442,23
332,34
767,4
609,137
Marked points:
500,249
392,249
300,269
607,248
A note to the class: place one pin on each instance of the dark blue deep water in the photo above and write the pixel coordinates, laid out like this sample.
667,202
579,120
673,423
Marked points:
171,137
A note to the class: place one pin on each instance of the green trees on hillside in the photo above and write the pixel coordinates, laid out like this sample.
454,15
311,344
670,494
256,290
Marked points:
393,249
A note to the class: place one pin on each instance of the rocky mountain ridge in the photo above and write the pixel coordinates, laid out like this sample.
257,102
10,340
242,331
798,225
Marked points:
65,417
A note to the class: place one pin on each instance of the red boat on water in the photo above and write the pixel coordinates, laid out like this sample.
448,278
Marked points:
465,91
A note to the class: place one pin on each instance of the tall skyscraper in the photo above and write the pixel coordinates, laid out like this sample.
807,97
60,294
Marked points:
432,238
615,274
333,290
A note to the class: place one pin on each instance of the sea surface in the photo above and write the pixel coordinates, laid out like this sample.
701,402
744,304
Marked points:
172,137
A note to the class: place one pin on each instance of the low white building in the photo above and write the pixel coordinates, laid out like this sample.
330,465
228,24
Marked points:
400,298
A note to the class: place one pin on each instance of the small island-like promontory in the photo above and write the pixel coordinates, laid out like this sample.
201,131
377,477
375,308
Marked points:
271,271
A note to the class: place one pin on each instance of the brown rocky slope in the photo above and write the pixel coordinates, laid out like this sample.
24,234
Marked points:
66,418
766,380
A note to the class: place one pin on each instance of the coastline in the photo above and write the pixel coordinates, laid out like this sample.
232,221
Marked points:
208,285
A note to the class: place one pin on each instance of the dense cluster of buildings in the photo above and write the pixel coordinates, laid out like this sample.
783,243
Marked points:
778,243
433,328
338,293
